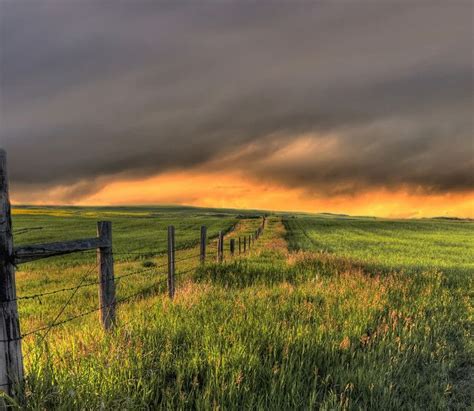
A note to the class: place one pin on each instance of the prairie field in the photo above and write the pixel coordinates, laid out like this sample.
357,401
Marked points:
323,312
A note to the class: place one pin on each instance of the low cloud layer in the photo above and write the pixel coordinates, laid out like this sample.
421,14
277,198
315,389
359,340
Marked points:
328,97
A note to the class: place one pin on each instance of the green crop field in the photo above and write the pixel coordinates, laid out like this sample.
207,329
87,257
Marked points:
324,312
410,245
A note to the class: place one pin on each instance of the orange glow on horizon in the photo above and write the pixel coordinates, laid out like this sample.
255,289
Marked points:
222,190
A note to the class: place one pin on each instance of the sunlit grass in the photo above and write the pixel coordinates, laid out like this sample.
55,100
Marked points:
270,330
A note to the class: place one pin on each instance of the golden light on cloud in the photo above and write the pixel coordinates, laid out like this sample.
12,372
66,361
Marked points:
235,190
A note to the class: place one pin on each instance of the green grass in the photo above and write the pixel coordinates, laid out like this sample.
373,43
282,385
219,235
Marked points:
135,230
276,329
389,244
139,243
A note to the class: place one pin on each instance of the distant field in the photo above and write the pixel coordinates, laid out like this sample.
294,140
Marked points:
139,241
325,312
135,229
388,244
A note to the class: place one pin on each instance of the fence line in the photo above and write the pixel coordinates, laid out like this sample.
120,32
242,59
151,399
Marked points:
11,356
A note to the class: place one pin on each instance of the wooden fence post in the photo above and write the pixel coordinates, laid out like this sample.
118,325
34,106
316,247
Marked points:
240,245
245,244
232,246
171,261
203,243
11,359
220,247
105,260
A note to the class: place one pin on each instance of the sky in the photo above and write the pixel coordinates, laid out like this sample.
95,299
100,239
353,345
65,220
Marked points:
361,107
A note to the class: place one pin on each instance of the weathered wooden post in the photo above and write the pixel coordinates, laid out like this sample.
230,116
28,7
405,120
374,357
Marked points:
203,244
240,245
245,244
11,359
105,260
171,261
220,247
232,246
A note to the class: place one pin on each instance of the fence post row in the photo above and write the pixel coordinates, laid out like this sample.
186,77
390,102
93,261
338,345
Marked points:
105,261
11,359
203,244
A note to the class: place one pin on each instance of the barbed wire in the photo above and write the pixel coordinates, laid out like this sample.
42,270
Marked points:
88,312
116,279
26,230
42,338
56,323
48,293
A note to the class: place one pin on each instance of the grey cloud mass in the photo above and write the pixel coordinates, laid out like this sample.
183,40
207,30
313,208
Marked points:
90,90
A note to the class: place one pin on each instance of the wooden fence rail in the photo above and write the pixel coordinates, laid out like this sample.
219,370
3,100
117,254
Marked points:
11,360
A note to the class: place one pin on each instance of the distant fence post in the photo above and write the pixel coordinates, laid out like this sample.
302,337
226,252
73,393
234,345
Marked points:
232,246
220,247
240,245
105,260
11,359
203,244
171,261
245,244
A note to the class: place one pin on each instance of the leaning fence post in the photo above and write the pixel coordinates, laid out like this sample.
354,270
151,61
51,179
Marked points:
11,359
171,261
203,243
105,260
232,246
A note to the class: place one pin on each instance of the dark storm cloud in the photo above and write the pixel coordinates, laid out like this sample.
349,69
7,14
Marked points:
90,90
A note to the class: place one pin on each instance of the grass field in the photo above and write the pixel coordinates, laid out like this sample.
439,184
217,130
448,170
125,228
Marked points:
324,312
411,245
